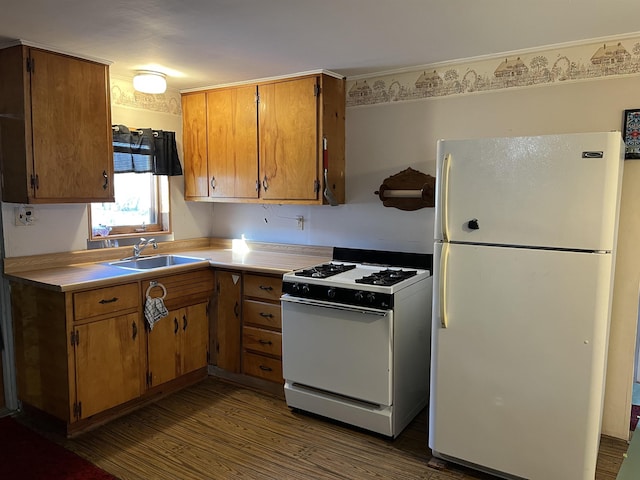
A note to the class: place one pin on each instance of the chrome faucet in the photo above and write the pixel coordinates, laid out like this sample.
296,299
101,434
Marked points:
142,244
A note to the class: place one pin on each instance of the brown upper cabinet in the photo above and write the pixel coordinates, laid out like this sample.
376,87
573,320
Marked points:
55,128
267,142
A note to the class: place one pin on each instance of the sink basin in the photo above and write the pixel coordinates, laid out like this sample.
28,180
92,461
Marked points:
157,261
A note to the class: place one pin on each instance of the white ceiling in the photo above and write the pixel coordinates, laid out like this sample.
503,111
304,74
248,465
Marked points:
211,42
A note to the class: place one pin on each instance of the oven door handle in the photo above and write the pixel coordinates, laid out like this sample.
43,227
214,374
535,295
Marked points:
333,306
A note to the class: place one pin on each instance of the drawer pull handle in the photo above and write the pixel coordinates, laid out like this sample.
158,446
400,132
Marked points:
267,288
175,325
134,328
265,368
184,322
266,315
111,300
264,342
236,309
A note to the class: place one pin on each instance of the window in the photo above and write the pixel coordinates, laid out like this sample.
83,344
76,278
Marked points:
143,160
142,205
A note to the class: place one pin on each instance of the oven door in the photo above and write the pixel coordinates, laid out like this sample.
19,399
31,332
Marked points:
338,349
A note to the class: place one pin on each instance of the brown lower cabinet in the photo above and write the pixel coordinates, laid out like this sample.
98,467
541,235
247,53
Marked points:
262,327
226,323
246,329
85,357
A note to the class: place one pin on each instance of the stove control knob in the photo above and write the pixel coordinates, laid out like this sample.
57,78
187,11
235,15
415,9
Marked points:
359,295
295,287
331,293
371,297
305,288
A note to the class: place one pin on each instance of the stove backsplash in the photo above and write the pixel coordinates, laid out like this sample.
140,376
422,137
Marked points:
383,257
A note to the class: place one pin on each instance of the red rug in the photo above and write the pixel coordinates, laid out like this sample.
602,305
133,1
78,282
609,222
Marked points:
635,412
26,455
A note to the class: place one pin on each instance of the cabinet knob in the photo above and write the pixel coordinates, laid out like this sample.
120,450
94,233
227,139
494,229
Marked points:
105,185
176,327
265,183
213,182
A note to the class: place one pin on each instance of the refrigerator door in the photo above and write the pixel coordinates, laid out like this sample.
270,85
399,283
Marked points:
558,191
518,353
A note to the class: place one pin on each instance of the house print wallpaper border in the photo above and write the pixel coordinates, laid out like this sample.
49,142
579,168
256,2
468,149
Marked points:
123,94
515,70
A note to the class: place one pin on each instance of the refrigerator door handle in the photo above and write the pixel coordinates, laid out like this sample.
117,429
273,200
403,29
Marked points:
444,189
443,285
440,257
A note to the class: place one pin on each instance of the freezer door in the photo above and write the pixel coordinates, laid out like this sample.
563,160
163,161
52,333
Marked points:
519,344
559,191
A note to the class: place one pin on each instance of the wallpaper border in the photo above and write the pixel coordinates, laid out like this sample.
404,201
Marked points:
124,95
546,66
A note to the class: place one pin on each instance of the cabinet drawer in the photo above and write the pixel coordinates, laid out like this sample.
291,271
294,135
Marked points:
263,341
105,300
263,367
262,314
182,288
259,286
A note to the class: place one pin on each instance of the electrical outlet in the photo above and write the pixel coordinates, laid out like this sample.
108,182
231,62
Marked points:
25,215
300,220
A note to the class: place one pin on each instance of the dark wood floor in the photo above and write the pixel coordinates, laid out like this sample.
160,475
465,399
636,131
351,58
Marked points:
218,430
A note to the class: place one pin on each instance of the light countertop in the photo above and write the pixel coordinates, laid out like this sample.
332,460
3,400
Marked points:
80,276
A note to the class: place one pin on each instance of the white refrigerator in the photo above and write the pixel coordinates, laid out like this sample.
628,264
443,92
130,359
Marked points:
525,235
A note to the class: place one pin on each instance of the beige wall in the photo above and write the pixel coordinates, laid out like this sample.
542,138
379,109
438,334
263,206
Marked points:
188,219
64,227
387,138
572,107
381,141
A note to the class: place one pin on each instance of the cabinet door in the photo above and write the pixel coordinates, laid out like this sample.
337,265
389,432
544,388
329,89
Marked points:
195,337
232,124
71,129
163,343
194,140
227,330
288,119
107,363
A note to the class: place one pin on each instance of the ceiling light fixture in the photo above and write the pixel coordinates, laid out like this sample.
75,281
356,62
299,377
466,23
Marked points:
146,81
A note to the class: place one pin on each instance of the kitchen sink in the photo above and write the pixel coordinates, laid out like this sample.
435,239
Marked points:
156,261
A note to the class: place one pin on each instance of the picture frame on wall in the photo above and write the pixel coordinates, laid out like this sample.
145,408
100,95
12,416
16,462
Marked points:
631,134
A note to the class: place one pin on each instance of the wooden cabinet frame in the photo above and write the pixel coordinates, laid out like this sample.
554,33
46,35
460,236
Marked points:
55,128
63,340
179,343
269,148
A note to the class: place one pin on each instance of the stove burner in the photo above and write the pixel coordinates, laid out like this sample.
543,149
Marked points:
387,277
325,270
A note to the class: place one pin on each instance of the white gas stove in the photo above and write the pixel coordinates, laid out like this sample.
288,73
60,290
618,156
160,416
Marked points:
356,338
363,284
